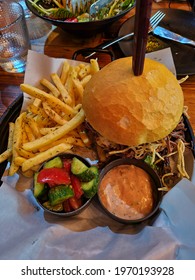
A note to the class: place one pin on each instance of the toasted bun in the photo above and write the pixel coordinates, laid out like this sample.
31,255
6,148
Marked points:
133,110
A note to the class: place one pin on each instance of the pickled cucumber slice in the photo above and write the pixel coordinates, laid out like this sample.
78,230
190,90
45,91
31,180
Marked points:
81,170
55,162
59,194
90,188
39,188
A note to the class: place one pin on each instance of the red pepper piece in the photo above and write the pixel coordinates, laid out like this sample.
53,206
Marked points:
75,203
73,19
76,184
54,176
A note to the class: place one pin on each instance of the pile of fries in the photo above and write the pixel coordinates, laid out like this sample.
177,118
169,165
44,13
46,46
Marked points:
52,123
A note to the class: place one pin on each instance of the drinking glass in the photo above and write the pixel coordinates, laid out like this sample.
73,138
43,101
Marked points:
37,27
14,37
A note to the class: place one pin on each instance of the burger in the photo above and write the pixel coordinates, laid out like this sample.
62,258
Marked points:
137,116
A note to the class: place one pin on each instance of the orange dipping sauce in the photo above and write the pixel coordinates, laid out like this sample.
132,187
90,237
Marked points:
127,192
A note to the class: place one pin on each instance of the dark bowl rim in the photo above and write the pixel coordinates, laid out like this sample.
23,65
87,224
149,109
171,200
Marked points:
71,213
60,22
154,176
65,214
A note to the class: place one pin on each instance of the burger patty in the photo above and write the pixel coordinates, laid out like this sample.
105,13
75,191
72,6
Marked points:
107,150
108,146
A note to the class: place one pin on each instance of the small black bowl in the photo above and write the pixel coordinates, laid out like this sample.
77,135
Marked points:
86,201
155,185
81,28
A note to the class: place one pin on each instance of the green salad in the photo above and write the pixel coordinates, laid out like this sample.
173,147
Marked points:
69,10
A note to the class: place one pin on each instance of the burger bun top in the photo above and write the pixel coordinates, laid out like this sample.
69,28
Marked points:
132,110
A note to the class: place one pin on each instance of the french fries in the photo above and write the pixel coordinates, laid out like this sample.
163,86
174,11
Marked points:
17,139
5,155
64,93
10,137
52,123
65,71
50,86
53,115
41,157
55,135
53,101
8,153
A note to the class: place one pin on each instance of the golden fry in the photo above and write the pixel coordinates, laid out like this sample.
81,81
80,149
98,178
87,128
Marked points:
36,110
50,86
41,157
57,134
82,65
69,84
29,132
17,139
30,121
24,137
66,140
37,102
14,167
24,153
78,107
84,71
94,66
46,130
43,122
10,135
78,90
19,160
54,102
53,115
85,80
64,93
64,73
5,155
76,70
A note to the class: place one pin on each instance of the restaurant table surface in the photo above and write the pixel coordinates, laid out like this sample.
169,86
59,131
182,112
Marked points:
58,43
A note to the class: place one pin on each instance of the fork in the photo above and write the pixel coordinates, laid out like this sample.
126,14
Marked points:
154,21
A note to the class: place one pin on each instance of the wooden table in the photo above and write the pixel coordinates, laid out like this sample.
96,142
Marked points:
57,43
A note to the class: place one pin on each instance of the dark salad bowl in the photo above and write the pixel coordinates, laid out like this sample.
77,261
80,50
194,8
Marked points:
87,28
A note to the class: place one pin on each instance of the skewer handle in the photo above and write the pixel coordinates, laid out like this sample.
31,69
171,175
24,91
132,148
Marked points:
142,21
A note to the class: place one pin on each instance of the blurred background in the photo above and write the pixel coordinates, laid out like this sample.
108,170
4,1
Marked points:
190,2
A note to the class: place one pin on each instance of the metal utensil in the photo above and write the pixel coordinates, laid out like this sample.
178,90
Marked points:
96,6
167,34
154,21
